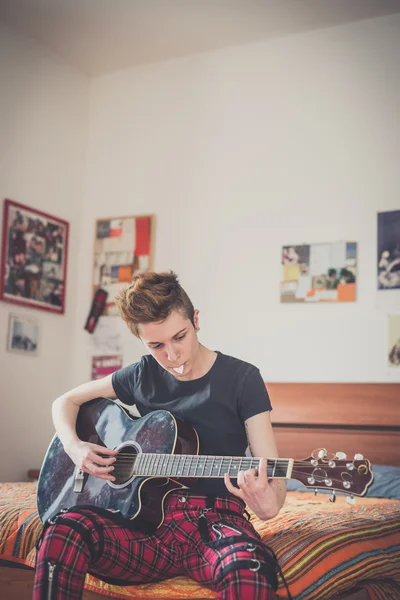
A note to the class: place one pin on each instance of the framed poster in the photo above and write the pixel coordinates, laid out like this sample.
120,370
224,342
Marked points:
389,250
34,258
319,272
23,335
123,247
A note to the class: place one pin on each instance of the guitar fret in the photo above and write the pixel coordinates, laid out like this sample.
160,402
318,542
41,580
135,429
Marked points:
153,470
175,463
212,465
158,463
169,466
142,463
148,464
181,462
184,464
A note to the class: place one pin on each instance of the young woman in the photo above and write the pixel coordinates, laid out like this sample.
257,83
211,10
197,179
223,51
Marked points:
205,533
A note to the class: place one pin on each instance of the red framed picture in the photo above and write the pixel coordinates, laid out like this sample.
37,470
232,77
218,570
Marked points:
34,258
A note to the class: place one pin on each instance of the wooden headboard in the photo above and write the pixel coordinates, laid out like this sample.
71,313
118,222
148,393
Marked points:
353,418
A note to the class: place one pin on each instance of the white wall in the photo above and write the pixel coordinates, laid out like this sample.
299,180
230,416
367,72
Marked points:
243,150
43,125
237,152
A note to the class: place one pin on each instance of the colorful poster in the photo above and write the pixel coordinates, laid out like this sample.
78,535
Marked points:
389,250
319,272
105,365
123,247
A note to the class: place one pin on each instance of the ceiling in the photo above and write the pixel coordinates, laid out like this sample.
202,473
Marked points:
99,36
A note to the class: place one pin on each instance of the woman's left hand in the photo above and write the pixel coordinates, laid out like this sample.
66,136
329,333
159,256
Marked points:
260,495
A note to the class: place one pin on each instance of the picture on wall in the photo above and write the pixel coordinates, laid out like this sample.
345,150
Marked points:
394,341
324,272
23,335
123,247
105,365
34,258
389,250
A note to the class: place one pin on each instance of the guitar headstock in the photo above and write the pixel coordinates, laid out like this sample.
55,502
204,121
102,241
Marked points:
334,472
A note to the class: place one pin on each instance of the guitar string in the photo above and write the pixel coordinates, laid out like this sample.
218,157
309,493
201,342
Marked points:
298,473
207,457
211,457
254,464
317,484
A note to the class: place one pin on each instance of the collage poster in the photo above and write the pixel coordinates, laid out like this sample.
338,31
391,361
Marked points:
319,272
123,247
34,258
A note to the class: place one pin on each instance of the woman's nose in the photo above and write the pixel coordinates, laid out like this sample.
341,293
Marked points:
171,354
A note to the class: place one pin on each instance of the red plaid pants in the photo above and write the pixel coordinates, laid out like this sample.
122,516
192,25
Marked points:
215,546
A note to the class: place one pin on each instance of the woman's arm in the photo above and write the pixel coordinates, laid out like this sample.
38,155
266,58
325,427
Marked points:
65,411
264,497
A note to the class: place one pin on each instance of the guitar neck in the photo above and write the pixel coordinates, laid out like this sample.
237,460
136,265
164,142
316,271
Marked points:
184,465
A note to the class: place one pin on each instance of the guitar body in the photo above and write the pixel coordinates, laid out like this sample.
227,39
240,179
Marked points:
104,422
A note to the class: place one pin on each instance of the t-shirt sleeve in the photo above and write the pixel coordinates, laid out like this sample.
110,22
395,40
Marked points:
125,381
253,398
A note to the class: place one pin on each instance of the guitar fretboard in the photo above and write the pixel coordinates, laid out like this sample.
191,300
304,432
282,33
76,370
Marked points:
181,465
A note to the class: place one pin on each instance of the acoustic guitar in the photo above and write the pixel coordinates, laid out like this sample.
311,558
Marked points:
158,454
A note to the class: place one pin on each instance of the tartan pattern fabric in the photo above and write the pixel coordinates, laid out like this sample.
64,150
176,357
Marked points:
228,556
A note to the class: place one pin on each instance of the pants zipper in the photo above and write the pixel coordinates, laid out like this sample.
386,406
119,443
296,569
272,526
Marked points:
50,580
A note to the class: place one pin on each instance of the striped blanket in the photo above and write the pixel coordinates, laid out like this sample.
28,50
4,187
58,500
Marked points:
324,549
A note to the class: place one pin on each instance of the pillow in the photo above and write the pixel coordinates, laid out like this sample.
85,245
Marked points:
386,483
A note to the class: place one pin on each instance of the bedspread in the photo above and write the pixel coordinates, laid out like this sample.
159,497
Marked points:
323,548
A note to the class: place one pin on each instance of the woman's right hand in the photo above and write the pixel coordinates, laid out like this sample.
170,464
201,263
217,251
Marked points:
93,459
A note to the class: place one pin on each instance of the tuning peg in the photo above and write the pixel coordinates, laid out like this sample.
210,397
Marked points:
322,453
350,499
332,497
341,455
358,457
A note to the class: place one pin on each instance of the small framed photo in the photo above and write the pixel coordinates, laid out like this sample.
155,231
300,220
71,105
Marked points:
34,258
23,335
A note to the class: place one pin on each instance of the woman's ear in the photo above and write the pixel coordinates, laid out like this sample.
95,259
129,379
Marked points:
196,320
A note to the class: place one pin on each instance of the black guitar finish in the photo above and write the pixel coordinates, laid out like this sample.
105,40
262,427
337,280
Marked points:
158,453
104,422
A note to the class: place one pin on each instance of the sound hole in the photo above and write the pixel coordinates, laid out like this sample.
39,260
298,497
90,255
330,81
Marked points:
123,466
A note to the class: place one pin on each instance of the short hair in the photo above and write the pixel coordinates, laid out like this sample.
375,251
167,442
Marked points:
332,272
150,298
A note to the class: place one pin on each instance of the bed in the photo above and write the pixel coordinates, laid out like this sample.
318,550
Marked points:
326,550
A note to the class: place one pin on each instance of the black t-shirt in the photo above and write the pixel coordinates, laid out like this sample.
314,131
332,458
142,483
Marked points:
216,405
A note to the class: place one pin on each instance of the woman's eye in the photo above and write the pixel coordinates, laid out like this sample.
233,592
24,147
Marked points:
180,338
